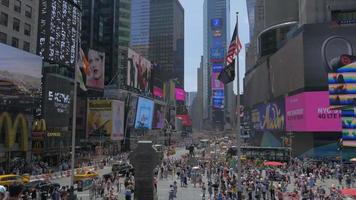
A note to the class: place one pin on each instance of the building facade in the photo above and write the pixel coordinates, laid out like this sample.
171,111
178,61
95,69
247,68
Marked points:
216,37
140,26
106,28
167,38
19,23
286,87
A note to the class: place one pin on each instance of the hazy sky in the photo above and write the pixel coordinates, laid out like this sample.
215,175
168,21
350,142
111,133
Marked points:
193,10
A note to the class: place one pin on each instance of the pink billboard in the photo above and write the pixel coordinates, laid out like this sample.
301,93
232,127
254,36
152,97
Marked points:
157,92
180,94
215,83
310,112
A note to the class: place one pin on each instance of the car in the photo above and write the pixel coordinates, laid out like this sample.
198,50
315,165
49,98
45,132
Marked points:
122,167
85,175
7,180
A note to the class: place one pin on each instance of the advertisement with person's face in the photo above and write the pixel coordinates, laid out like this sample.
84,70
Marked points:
21,71
138,71
144,113
96,76
99,118
118,108
158,117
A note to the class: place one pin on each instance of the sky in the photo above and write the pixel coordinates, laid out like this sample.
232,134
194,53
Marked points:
193,11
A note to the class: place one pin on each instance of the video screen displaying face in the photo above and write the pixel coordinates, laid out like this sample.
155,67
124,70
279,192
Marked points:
144,113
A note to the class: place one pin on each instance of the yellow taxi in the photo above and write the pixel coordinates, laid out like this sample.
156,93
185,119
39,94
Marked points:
7,180
85,175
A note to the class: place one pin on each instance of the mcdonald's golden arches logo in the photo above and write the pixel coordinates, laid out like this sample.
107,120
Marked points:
11,127
39,125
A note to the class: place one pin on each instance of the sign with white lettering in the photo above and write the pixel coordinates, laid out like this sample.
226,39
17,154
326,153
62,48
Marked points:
310,112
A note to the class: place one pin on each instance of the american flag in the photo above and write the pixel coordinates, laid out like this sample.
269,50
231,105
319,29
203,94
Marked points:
234,48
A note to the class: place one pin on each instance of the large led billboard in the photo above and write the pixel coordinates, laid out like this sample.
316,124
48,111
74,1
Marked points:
58,94
215,83
105,117
58,30
138,71
96,76
180,94
158,116
217,67
217,53
310,112
269,116
144,113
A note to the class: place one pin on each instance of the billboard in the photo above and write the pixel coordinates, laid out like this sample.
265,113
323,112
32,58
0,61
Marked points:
58,30
218,102
215,83
310,112
138,71
95,78
217,67
269,116
144,113
58,93
216,23
217,53
218,94
158,116
180,94
20,73
132,111
157,92
105,117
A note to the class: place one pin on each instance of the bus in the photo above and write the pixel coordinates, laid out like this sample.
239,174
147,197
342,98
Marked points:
281,154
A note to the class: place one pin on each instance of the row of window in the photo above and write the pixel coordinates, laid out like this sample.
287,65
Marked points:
15,25
17,7
14,42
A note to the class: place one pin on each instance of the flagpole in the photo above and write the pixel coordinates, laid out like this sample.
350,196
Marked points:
74,117
237,126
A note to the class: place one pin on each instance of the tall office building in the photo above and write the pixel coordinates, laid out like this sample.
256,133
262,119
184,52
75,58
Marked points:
251,5
140,26
106,28
167,38
19,23
216,40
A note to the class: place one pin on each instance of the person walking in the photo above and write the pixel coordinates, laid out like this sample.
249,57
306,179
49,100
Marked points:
203,188
171,193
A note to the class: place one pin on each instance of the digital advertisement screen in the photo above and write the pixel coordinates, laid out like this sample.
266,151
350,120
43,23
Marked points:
58,30
118,113
218,103
157,92
216,23
310,112
132,111
217,53
158,117
144,113
217,67
180,94
138,71
58,93
269,116
218,94
217,42
96,76
215,83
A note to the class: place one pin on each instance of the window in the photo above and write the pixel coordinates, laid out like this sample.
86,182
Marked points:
27,29
3,37
3,19
28,11
5,3
17,6
26,46
15,42
16,25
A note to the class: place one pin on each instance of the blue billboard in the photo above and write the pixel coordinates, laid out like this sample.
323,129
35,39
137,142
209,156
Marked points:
216,23
219,94
217,67
217,42
218,103
217,53
269,116
144,113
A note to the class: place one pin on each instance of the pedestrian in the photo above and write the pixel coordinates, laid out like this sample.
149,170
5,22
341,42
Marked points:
210,189
171,193
203,188
175,189
128,193
2,192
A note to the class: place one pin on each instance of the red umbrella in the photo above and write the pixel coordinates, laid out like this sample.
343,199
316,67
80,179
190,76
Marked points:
349,192
273,163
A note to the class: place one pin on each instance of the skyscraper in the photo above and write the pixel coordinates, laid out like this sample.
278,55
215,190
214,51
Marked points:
167,38
218,101
106,28
140,26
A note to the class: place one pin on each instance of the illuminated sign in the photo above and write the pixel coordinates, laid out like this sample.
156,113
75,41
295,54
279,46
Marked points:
217,42
218,102
217,53
216,23
217,67
11,128
217,33
54,134
218,94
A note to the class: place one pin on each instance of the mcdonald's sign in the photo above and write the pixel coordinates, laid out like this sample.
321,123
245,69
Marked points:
11,127
39,125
